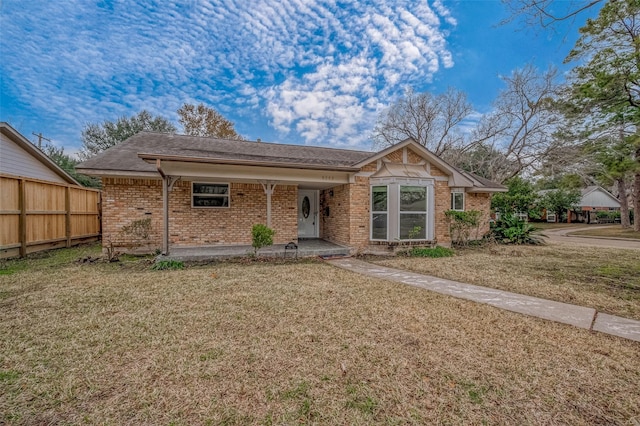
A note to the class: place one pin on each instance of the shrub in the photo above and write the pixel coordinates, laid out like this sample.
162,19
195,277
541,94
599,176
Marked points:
431,252
168,265
262,236
511,230
461,224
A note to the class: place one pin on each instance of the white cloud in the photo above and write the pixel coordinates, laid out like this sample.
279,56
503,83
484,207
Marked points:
317,70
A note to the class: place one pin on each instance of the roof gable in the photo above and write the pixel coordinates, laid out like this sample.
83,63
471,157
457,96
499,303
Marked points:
41,166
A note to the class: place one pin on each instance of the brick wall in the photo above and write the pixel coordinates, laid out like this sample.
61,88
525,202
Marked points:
129,200
335,226
482,202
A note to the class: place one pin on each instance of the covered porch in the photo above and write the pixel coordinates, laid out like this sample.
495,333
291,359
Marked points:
314,247
273,180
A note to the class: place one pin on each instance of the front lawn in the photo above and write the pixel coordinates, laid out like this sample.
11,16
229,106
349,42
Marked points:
289,343
608,231
603,278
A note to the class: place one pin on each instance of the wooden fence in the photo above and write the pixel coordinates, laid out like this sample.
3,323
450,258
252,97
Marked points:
37,215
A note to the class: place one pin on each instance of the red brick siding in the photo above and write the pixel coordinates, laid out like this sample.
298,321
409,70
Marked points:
127,200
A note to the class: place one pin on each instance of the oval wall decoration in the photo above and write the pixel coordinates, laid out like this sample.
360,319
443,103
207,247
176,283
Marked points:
306,207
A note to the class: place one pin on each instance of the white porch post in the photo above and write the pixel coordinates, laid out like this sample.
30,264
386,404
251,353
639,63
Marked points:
268,187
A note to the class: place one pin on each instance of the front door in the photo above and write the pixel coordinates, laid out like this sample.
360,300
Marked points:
307,214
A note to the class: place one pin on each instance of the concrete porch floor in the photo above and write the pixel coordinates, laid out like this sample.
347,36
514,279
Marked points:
306,248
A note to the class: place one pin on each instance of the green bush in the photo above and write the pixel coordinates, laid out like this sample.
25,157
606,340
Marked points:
608,215
461,224
168,265
511,230
262,236
431,252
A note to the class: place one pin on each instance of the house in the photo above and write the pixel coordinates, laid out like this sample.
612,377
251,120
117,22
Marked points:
193,191
19,157
594,199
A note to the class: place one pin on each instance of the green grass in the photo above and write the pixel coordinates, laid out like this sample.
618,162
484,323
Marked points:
49,259
434,252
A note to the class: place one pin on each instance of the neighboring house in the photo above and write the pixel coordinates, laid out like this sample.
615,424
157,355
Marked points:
594,199
41,206
19,157
195,191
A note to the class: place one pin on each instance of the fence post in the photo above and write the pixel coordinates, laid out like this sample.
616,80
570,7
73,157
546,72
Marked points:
67,220
22,224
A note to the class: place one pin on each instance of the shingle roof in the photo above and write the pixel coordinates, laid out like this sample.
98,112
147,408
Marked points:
124,156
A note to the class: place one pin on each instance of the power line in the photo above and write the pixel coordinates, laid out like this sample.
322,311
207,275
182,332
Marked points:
40,137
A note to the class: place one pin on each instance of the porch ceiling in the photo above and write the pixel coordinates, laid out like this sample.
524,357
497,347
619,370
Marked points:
305,178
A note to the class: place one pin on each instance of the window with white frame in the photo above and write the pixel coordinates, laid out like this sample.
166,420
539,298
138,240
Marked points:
402,209
457,200
212,195
379,212
413,212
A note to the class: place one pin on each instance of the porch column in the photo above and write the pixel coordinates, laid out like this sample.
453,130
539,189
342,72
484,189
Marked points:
268,187
165,215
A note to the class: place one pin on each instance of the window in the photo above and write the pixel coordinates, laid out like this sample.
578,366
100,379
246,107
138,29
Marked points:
209,195
457,201
413,212
379,212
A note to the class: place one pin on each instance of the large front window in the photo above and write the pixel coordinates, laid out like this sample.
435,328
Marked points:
402,210
413,212
379,212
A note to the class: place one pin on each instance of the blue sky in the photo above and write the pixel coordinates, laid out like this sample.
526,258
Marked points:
290,71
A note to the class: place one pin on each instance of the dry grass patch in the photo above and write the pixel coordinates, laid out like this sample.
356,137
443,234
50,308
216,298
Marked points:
298,343
609,232
602,278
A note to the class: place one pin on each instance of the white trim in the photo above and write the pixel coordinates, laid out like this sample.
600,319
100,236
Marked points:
452,204
205,195
425,212
371,213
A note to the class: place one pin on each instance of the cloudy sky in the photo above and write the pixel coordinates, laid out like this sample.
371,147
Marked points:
291,71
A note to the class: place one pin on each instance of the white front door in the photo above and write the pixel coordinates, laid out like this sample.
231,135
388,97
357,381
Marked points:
307,214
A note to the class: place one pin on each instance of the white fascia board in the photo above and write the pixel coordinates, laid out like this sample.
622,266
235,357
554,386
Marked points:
241,173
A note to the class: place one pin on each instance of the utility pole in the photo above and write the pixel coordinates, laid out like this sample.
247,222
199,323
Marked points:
40,137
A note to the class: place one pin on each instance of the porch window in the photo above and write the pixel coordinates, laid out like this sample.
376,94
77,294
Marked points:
379,212
457,200
210,195
413,212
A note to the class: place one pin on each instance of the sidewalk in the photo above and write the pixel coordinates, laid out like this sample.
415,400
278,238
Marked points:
577,316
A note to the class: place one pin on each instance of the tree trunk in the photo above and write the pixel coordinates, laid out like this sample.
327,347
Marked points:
624,203
636,203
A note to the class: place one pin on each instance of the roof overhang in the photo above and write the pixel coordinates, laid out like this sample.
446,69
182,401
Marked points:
249,172
151,158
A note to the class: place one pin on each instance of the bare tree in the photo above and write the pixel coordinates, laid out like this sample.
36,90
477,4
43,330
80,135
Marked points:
546,13
431,120
522,124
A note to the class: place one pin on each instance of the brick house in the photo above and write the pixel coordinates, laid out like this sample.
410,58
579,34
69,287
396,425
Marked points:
163,191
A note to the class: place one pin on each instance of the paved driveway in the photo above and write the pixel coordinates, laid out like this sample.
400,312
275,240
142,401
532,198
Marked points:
559,236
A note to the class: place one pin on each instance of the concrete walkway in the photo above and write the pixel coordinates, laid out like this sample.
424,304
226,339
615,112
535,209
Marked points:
565,313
